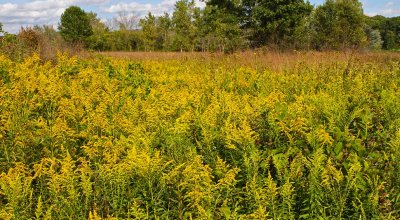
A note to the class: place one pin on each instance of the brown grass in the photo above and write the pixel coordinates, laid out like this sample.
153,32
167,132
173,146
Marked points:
277,61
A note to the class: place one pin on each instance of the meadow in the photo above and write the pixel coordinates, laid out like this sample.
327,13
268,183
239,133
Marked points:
252,135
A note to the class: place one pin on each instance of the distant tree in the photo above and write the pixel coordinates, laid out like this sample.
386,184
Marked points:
302,36
124,35
51,42
375,41
220,30
125,21
197,22
164,25
184,28
149,31
390,40
389,29
339,24
75,25
275,21
1,27
97,41
391,33
49,35
229,6
376,22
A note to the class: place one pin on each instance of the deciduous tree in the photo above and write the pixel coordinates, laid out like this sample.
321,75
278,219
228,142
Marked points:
339,24
97,41
149,32
184,28
75,25
275,21
220,30
164,25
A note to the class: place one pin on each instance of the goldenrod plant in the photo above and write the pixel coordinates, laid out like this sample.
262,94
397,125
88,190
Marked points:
202,138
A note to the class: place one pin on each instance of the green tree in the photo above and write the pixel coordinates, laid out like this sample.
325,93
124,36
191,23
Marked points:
230,6
98,40
149,32
220,30
75,25
164,25
375,41
376,22
390,40
389,29
339,24
275,21
125,35
391,33
184,27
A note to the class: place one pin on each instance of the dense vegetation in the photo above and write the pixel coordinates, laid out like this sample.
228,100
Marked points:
228,137
223,25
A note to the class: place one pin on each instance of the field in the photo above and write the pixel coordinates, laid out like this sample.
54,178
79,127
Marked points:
252,135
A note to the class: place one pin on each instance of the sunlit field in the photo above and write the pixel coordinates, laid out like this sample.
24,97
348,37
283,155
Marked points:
249,135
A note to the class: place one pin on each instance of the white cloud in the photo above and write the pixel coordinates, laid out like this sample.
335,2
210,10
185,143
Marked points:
48,12
391,8
129,7
390,4
37,12
143,8
391,12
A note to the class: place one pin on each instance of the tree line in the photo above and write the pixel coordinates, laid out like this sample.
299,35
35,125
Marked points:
227,25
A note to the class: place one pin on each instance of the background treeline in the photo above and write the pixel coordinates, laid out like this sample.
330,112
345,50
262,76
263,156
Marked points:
223,25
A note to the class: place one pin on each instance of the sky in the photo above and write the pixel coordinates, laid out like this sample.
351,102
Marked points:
17,13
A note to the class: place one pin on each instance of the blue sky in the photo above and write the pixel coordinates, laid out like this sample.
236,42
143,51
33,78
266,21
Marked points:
17,13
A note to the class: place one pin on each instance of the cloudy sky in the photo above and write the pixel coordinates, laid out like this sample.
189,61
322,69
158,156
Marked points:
17,13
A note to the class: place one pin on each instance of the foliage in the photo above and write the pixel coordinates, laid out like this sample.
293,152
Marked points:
75,25
97,41
223,26
41,40
375,39
388,27
164,27
276,21
338,24
220,30
149,30
185,31
199,138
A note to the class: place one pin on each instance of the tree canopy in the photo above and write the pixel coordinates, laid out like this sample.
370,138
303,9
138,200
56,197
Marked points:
228,25
339,24
75,25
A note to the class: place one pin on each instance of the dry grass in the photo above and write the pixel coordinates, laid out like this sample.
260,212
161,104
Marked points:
277,61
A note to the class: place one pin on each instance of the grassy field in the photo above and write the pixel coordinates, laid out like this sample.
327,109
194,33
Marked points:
252,135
